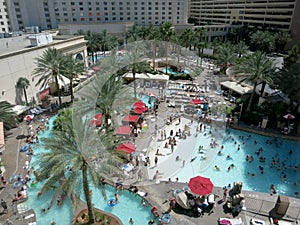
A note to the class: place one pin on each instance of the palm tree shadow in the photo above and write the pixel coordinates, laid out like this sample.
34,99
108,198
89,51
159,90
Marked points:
22,136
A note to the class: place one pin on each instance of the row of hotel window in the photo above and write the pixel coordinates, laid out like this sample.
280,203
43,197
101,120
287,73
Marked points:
111,9
113,3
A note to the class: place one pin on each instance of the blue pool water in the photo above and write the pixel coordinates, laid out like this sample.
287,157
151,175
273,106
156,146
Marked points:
175,73
127,200
287,163
128,206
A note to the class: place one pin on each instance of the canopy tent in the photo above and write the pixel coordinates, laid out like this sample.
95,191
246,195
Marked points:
128,148
131,119
236,87
124,130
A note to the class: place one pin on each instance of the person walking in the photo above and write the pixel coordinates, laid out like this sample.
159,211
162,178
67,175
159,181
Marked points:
155,160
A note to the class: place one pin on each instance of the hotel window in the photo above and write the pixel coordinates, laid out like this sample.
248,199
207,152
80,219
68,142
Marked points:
105,8
81,8
112,8
149,8
128,8
97,8
149,3
121,8
105,13
82,19
128,18
98,19
128,13
135,8
135,3
149,18
89,3
121,18
72,3
112,3
73,9
66,20
142,8
156,8
64,9
90,19
74,19
80,3
114,18
98,13
90,14
65,14
97,3
156,3
104,3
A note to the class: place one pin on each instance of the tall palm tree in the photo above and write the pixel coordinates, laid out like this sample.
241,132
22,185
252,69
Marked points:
166,32
49,67
23,83
133,58
107,41
92,43
154,35
7,115
256,68
281,38
71,69
69,160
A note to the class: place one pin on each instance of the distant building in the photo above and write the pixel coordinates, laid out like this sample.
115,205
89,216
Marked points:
274,14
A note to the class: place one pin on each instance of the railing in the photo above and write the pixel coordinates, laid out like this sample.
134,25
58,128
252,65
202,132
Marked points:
264,207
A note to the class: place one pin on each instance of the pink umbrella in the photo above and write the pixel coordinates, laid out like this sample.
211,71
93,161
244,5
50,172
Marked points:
96,68
200,185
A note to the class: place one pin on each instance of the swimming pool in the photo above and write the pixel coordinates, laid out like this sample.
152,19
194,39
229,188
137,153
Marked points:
175,73
256,176
128,206
127,201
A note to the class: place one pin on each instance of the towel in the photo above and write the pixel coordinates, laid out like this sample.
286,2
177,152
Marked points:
29,216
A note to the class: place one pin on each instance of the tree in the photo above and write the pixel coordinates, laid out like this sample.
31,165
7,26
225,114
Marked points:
241,48
288,80
69,160
71,68
281,38
263,41
166,31
23,83
7,115
154,35
293,56
49,67
133,59
92,43
106,41
225,56
256,68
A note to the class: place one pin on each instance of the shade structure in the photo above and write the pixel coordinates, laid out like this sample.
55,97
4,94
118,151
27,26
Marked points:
130,119
128,148
197,101
28,117
139,104
289,116
96,68
200,185
140,110
123,130
182,200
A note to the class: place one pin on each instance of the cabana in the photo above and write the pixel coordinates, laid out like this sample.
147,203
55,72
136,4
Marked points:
237,88
149,80
124,131
128,148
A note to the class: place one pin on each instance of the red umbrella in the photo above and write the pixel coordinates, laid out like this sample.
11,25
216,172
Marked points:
200,185
98,116
289,116
139,104
139,111
197,101
97,123
28,117
126,147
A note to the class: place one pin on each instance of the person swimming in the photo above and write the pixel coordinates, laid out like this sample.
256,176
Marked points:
193,159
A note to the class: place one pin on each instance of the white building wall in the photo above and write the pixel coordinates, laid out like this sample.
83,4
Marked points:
4,27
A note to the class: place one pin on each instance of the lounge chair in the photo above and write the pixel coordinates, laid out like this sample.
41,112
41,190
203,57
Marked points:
40,109
227,221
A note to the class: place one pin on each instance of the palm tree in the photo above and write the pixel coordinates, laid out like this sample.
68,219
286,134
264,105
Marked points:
107,41
23,84
225,56
71,69
49,67
69,160
263,41
7,115
166,32
132,35
281,38
256,68
154,35
241,48
92,43
133,59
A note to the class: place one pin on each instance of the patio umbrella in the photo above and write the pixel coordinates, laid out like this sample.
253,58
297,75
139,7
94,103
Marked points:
197,101
123,130
182,200
200,185
98,116
131,119
28,117
128,148
139,104
289,116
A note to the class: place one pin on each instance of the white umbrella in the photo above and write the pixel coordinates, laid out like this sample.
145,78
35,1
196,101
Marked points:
182,200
